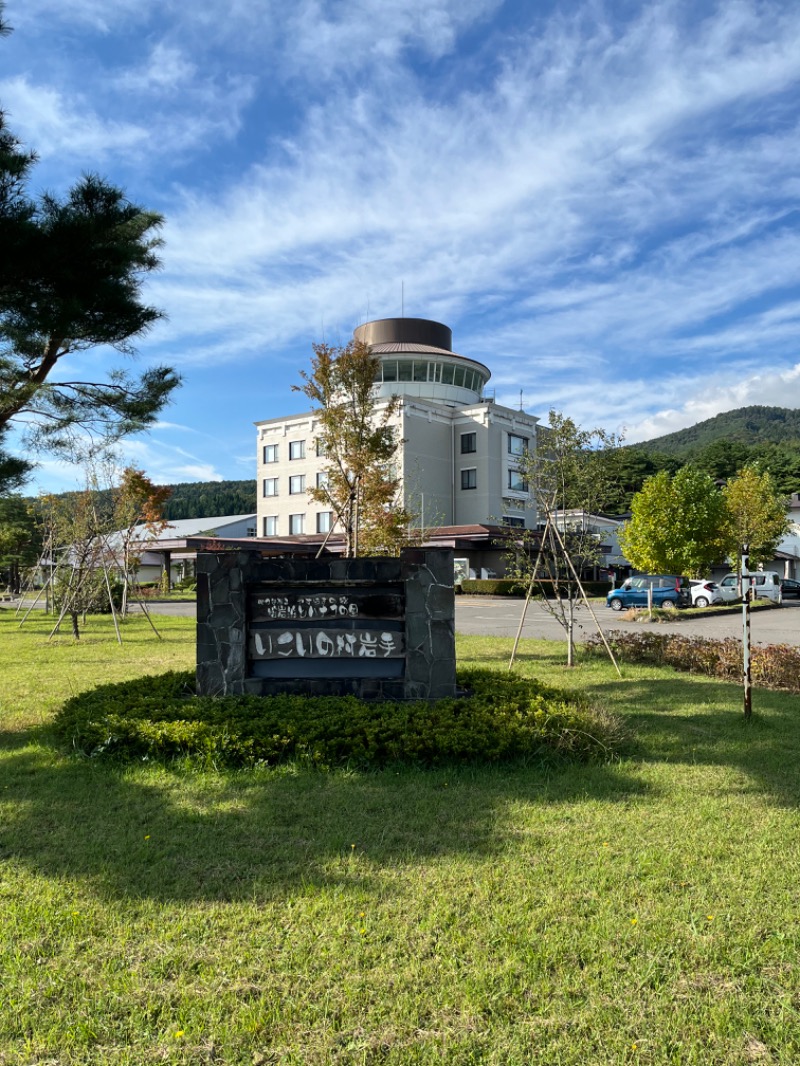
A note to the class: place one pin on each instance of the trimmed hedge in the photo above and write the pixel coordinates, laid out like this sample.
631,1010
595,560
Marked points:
774,666
505,586
502,717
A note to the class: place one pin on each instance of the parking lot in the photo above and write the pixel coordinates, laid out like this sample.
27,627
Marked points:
488,616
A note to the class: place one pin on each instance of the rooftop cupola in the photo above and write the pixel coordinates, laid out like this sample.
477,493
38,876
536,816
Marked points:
417,359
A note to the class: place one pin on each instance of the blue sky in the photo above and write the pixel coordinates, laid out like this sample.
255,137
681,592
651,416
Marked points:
601,200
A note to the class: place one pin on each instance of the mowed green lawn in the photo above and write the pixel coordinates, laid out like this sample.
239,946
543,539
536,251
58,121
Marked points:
644,911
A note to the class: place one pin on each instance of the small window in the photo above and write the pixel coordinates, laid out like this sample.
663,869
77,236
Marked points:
321,449
469,478
271,525
297,449
270,486
459,377
322,479
270,453
517,445
447,374
297,484
514,523
517,481
404,369
297,524
324,521
469,443
420,371
390,370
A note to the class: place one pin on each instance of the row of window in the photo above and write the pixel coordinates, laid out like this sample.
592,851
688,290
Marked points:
297,484
469,444
516,445
297,450
516,480
297,524
423,370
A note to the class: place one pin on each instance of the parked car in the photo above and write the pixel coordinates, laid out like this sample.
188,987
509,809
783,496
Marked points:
767,586
669,590
704,593
790,587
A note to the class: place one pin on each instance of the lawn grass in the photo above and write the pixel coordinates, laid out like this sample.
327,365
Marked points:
642,911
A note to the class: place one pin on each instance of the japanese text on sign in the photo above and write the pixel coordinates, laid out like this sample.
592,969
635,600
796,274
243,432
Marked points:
319,644
319,605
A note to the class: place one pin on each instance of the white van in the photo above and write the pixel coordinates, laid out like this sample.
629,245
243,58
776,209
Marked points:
765,584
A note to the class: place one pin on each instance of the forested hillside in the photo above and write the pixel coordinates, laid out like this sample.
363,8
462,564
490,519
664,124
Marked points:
747,425
721,446
206,499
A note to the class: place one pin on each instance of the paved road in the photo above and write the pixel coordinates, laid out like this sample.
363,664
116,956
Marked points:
486,616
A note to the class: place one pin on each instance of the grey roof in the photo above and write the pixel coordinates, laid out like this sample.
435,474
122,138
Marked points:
404,346
193,527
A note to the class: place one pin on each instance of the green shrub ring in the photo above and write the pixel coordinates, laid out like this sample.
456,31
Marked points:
502,717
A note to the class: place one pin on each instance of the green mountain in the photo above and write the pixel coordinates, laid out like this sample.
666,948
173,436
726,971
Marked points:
207,499
750,426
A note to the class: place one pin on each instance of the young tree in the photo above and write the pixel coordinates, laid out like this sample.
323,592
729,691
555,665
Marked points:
678,525
138,515
360,445
757,518
20,539
571,471
71,274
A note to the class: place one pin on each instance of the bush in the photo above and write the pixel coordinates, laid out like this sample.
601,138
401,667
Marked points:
507,586
494,586
775,666
501,717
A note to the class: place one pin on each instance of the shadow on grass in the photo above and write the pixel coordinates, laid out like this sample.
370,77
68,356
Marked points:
151,832
699,721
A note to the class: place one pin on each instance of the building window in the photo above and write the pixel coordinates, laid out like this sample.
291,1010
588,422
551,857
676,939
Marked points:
297,483
469,478
320,446
517,445
324,521
271,525
297,449
270,453
270,486
297,523
514,523
517,481
469,443
322,479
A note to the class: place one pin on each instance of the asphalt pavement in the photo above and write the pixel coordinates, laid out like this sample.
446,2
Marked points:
488,616
498,617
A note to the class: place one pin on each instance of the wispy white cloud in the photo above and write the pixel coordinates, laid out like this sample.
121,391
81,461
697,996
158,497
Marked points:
600,207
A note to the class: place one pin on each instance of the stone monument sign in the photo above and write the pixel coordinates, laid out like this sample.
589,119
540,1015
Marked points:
377,628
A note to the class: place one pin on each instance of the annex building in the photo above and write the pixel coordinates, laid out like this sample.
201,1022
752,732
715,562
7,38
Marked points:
460,457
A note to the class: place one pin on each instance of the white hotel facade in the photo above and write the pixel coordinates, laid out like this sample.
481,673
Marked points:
460,456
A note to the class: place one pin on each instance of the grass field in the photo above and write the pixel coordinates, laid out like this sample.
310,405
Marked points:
643,911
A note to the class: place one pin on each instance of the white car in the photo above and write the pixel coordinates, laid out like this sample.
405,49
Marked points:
765,584
705,592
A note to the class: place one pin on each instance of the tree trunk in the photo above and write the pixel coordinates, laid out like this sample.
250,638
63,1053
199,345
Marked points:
74,619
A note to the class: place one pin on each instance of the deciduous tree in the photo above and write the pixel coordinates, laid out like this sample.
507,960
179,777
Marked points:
570,472
757,518
360,444
678,524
